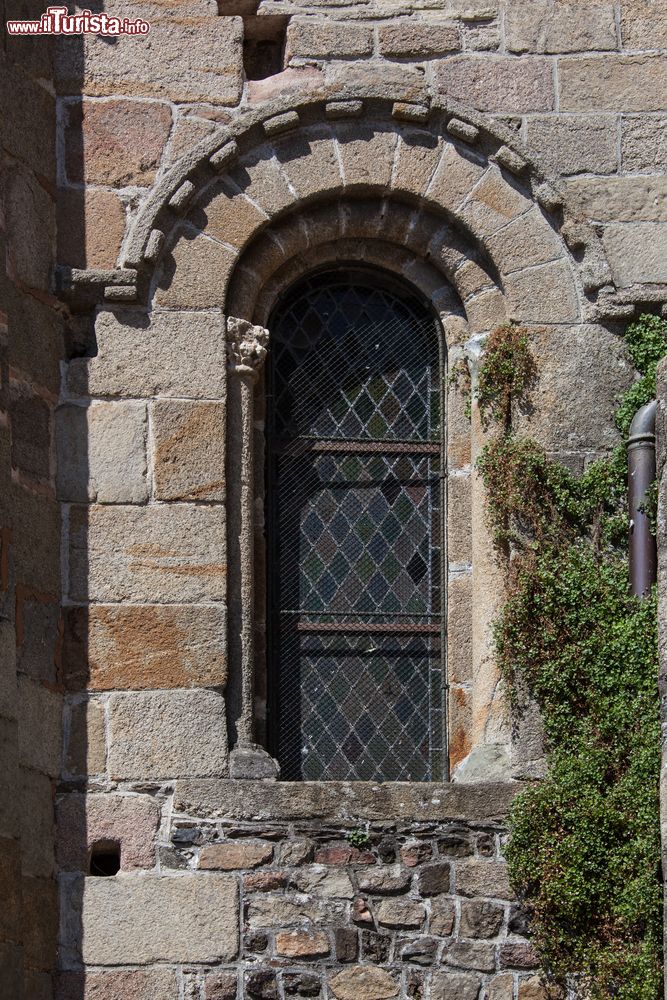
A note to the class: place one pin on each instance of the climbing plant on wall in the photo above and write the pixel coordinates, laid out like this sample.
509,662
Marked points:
584,852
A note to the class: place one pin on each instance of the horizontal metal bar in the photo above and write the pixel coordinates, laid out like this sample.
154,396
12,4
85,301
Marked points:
358,614
299,446
375,627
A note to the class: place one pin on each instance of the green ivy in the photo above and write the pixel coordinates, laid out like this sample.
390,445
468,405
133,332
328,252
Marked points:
584,850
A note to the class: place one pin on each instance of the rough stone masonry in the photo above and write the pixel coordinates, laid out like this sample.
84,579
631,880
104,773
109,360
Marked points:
504,158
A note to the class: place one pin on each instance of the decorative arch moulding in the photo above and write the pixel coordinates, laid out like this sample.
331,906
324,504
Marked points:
469,134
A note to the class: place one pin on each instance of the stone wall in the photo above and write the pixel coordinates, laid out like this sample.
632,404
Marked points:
231,890
506,158
31,346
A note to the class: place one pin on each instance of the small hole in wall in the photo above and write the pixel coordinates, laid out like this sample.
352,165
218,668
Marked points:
105,859
263,45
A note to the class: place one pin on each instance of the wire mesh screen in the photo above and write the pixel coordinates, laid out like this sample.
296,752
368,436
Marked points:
355,534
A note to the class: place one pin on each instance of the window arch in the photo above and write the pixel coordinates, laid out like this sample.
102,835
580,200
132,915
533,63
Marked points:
356,508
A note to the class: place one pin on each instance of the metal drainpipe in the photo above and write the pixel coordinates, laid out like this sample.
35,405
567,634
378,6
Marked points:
641,474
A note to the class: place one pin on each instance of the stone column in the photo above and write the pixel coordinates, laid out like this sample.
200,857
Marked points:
246,352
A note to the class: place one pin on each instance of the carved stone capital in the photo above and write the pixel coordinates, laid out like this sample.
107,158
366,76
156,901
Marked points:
246,347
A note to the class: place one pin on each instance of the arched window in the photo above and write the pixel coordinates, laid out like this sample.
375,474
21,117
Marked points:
355,531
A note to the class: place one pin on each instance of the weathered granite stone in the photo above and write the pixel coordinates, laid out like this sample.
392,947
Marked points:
362,982
144,919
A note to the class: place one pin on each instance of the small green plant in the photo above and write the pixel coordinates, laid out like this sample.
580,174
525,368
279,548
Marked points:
358,838
585,842
506,375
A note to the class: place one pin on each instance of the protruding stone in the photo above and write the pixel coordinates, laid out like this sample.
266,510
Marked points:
463,130
507,158
182,196
281,123
411,112
154,245
253,764
224,156
343,109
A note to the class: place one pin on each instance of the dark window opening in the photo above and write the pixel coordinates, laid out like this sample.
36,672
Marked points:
263,45
355,504
105,859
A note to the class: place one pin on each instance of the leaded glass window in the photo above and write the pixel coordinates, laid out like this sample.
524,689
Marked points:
355,500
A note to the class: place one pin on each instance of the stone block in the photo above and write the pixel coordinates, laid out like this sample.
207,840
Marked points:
125,984
443,916
265,881
534,989
37,823
619,199
260,984
116,143
525,242
574,144
310,161
455,986
220,986
302,944
643,25
258,175
39,923
456,175
644,143
613,83
22,96
182,59
36,553
347,944
134,647
459,628
480,919
501,988
483,878
167,734
129,820
324,882
460,724
40,718
101,452
420,951
236,854
228,216
518,955
188,450
281,910
91,226
310,37
385,879
30,418
497,83
144,919
476,955
417,155
544,294
400,913
637,252
10,889
363,982
165,553
29,224
195,275
459,523
434,879
494,203
565,26
39,638
169,354
412,37
399,81
367,155
85,747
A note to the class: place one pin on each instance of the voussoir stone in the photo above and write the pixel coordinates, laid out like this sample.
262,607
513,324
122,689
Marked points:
167,354
158,553
363,982
142,919
164,734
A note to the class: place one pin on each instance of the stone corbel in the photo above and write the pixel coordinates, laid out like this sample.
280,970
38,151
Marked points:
247,347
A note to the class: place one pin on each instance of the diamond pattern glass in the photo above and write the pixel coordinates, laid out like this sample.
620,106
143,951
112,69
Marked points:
355,508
